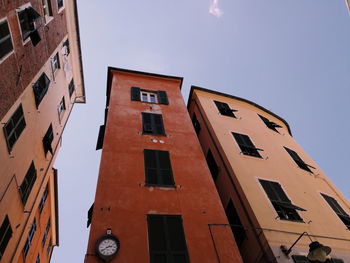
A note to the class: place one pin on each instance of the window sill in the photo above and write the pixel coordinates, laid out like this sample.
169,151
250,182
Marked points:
154,134
60,10
173,186
292,221
48,19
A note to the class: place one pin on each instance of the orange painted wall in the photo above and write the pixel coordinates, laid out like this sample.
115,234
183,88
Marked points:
239,176
122,200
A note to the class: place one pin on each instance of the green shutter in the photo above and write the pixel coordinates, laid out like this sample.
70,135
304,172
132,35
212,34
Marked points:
163,97
135,93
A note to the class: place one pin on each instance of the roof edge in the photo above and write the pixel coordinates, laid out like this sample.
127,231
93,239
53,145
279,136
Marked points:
193,87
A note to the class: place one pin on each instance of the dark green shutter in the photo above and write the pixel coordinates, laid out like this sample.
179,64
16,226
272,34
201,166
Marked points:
5,235
158,167
163,97
135,93
213,167
152,123
158,123
101,135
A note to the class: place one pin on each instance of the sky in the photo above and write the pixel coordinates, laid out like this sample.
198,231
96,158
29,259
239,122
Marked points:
291,57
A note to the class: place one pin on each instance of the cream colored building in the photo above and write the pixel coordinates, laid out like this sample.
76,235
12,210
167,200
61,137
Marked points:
271,189
41,80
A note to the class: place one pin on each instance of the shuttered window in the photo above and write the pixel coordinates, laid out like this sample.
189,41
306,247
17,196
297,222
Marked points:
139,94
14,127
47,140
235,223
43,199
283,206
27,18
60,4
298,160
71,88
196,124
213,167
343,216
27,184
167,243
271,125
46,233
246,145
5,235
29,239
5,39
225,109
40,88
152,123
158,168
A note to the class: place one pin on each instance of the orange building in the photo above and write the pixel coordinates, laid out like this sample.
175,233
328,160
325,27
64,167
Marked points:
155,199
41,79
272,191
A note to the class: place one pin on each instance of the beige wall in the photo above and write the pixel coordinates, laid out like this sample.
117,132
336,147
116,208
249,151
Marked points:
302,188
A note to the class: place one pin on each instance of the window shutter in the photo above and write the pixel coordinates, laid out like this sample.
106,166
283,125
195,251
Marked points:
151,170
158,167
196,124
90,212
158,123
5,235
335,205
213,167
269,189
135,93
147,122
28,182
163,97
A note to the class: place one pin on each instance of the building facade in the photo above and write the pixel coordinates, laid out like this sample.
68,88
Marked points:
155,199
272,191
40,80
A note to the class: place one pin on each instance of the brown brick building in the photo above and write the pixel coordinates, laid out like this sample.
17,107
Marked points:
40,80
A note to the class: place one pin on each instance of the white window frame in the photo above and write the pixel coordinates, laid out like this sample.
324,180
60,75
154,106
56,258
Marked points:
46,8
148,96
61,108
55,63
13,48
60,9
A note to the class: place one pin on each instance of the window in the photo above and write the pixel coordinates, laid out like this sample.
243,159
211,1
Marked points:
46,233
166,238
196,124
158,168
14,127
269,124
225,109
47,10
47,140
5,235
55,62
213,167
29,238
246,145
300,259
66,46
71,88
152,123
149,97
235,222
60,4
43,199
37,259
298,160
40,88
61,108
27,184
283,206
48,250
343,216
160,96
27,18
5,39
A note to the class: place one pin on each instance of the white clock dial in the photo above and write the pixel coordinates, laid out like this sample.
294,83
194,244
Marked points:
108,247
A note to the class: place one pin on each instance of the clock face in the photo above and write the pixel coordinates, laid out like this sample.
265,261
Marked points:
108,247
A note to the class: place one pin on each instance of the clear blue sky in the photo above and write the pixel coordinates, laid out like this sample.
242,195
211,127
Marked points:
292,57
